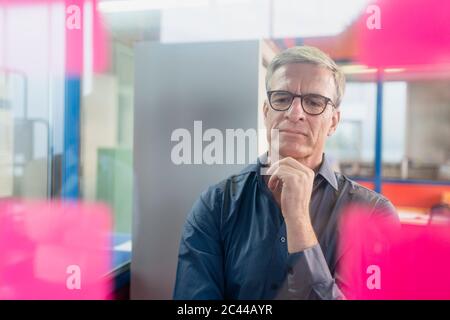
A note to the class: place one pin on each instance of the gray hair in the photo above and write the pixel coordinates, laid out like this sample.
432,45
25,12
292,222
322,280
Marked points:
307,54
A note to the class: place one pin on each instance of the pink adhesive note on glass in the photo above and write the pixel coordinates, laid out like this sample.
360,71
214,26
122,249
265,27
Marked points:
396,33
54,250
84,40
383,260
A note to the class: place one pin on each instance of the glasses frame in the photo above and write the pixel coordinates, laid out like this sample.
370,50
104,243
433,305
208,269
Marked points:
301,96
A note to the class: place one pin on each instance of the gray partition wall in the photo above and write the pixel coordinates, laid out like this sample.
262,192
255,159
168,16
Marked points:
175,85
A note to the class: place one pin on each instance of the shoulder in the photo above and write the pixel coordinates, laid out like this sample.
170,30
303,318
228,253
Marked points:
217,196
359,194
231,186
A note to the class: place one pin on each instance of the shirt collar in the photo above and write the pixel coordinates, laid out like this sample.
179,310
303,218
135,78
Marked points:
325,170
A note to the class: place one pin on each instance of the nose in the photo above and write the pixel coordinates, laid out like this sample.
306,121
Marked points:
296,112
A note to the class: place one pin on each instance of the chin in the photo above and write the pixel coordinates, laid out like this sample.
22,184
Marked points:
294,151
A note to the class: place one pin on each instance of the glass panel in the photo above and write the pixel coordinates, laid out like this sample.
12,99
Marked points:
107,137
416,130
24,142
394,128
352,145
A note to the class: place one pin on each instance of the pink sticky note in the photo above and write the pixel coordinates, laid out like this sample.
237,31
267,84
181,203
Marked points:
84,41
395,33
92,27
381,260
54,250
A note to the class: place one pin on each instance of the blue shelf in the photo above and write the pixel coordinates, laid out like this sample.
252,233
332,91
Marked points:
402,181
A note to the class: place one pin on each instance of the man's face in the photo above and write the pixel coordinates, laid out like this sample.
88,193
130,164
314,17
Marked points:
302,136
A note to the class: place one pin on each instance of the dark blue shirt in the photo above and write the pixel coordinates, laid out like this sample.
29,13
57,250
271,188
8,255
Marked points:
234,243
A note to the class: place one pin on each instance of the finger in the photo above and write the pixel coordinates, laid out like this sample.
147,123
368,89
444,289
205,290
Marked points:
279,163
275,184
279,174
291,162
284,169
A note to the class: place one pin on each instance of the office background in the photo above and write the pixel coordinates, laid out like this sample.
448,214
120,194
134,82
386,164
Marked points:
97,135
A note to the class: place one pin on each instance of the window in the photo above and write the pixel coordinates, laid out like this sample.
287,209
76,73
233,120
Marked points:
352,145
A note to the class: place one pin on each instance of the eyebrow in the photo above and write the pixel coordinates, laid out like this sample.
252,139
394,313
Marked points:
318,94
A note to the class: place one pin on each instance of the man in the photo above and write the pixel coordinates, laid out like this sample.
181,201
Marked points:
257,236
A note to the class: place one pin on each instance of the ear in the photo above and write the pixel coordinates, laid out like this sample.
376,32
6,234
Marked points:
265,109
336,117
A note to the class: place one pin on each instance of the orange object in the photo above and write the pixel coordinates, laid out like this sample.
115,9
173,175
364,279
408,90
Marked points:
446,197
413,195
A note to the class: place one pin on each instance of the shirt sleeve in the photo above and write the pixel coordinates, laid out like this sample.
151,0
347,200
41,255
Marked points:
384,208
309,276
200,259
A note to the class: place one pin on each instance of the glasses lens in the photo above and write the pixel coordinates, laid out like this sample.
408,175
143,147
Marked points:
314,104
280,100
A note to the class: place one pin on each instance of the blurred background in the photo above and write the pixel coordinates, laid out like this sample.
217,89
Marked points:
79,79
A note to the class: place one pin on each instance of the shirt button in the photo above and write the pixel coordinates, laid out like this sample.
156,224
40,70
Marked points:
283,239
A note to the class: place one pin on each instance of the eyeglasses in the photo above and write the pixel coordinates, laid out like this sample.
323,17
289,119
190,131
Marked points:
312,104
